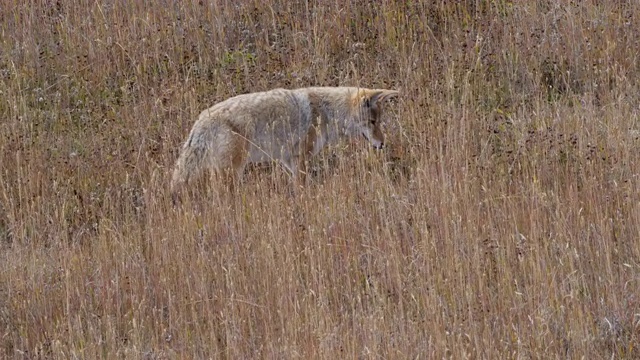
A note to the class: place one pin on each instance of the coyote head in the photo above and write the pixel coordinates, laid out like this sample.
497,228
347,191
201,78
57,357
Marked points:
369,111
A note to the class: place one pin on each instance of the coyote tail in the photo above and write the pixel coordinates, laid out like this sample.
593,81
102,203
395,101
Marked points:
188,166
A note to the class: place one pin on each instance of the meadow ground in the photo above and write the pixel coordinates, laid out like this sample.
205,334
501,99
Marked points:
502,221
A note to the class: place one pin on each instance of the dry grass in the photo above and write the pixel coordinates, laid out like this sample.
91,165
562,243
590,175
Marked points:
502,222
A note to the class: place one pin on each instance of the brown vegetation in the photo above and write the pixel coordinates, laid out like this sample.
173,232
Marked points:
503,221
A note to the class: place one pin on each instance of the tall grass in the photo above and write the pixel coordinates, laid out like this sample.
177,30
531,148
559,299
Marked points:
503,221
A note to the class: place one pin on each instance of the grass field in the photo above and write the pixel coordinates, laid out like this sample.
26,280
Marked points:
501,222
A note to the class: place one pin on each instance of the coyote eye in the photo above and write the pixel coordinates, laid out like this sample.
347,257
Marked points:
373,121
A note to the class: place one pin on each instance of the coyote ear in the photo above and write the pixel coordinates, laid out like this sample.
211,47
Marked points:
379,95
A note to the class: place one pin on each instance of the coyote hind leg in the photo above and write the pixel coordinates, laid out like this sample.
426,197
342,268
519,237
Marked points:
236,158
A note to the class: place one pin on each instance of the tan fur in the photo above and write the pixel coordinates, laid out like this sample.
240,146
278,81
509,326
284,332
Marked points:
285,125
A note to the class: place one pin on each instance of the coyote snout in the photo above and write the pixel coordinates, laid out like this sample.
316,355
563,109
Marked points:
377,143
285,125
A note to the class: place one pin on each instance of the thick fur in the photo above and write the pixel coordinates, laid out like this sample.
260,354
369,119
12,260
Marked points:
280,124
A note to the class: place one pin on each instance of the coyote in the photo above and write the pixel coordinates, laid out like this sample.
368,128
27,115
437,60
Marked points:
280,124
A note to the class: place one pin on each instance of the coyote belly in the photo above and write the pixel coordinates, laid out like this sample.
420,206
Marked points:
284,125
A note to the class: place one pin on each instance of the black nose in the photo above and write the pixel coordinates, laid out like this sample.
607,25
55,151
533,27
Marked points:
379,147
